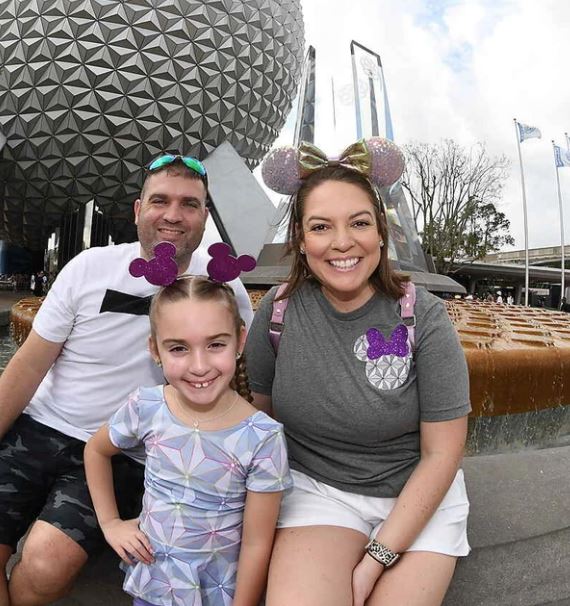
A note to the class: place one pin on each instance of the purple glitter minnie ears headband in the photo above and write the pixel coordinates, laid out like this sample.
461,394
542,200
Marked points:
284,169
162,270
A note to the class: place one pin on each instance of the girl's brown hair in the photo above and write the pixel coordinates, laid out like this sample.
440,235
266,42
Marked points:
200,288
384,279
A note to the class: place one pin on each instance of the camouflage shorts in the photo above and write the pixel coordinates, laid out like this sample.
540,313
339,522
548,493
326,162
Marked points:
42,477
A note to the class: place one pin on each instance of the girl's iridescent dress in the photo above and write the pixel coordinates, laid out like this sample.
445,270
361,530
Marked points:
195,487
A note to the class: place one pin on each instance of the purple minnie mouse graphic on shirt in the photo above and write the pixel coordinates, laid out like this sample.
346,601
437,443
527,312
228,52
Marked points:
378,346
388,362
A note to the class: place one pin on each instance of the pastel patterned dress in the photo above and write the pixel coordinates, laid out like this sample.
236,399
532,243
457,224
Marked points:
195,488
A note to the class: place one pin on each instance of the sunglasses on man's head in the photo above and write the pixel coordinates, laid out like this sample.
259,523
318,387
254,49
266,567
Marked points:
192,163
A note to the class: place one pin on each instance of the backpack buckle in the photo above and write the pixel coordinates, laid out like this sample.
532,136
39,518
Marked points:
410,321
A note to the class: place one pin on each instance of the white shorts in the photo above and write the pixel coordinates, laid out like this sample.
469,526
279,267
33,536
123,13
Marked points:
312,503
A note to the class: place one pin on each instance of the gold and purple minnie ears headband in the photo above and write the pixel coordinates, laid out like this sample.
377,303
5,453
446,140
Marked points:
378,159
162,270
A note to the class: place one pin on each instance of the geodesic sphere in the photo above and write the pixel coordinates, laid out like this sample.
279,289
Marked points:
92,90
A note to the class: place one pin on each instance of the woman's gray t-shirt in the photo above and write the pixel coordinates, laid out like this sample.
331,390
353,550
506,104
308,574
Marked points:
348,390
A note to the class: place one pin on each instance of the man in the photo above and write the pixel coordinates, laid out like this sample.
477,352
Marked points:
86,351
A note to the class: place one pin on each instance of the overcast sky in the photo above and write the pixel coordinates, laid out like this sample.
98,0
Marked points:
460,69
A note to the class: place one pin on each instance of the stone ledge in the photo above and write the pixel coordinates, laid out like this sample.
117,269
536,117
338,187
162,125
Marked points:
518,495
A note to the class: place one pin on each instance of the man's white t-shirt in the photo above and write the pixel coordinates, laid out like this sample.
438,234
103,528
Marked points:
105,355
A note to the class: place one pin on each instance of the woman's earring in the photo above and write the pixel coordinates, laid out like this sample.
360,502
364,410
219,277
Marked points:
238,355
158,363
302,250
381,243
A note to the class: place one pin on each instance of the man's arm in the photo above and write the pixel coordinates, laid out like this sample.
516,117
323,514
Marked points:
22,376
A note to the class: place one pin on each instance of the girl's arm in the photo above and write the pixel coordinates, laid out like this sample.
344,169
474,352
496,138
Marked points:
123,536
442,445
260,518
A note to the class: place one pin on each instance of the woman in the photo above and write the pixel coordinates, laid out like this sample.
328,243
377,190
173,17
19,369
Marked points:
375,416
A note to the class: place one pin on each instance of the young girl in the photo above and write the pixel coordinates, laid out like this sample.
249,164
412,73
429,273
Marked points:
215,466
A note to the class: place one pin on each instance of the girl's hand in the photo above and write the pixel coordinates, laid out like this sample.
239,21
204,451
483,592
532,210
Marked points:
364,577
128,541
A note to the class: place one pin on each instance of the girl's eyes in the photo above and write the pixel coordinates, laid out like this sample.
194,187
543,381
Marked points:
217,345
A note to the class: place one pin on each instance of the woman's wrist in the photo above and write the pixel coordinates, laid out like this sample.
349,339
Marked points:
381,553
372,563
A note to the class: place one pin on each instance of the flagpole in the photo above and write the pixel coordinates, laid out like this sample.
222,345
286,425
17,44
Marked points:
526,285
563,263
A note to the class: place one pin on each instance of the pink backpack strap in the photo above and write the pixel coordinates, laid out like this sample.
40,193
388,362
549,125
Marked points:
276,323
407,304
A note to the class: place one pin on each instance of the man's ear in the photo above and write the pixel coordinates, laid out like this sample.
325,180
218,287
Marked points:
137,209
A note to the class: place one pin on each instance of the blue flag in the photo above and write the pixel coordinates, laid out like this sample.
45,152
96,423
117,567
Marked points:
528,132
561,156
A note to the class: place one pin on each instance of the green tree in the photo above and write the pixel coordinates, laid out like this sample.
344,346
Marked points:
454,192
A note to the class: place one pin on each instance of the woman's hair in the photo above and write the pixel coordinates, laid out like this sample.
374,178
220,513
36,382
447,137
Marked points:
201,288
384,279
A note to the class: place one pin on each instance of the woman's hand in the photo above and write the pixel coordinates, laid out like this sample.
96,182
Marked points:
128,541
364,577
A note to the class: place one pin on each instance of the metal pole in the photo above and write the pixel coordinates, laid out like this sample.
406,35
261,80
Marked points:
526,285
373,108
562,265
356,93
305,124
